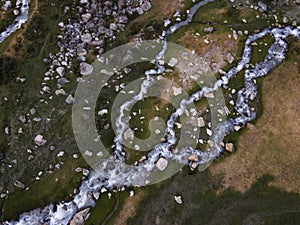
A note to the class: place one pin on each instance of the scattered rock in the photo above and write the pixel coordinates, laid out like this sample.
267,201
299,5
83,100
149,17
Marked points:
70,99
178,199
85,68
230,58
237,128
39,140
19,184
22,118
102,112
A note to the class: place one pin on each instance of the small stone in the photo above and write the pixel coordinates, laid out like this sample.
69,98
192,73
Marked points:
19,184
60,154
70,99
96,195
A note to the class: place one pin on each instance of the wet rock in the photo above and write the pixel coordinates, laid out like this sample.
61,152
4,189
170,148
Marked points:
161,164
229,147
85,68
85,172
237,128
80,217
39,140
96,195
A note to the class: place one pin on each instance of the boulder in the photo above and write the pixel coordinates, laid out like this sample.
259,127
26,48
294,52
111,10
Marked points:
201,122
60,71
229,147
146,6
85,68
161,164
87,38
70,99
173,62
80,217
22,118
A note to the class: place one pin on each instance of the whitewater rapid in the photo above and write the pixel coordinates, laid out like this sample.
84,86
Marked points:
63,212
19,20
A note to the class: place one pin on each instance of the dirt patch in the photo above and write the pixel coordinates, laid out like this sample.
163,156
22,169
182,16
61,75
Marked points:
129,209
273,145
